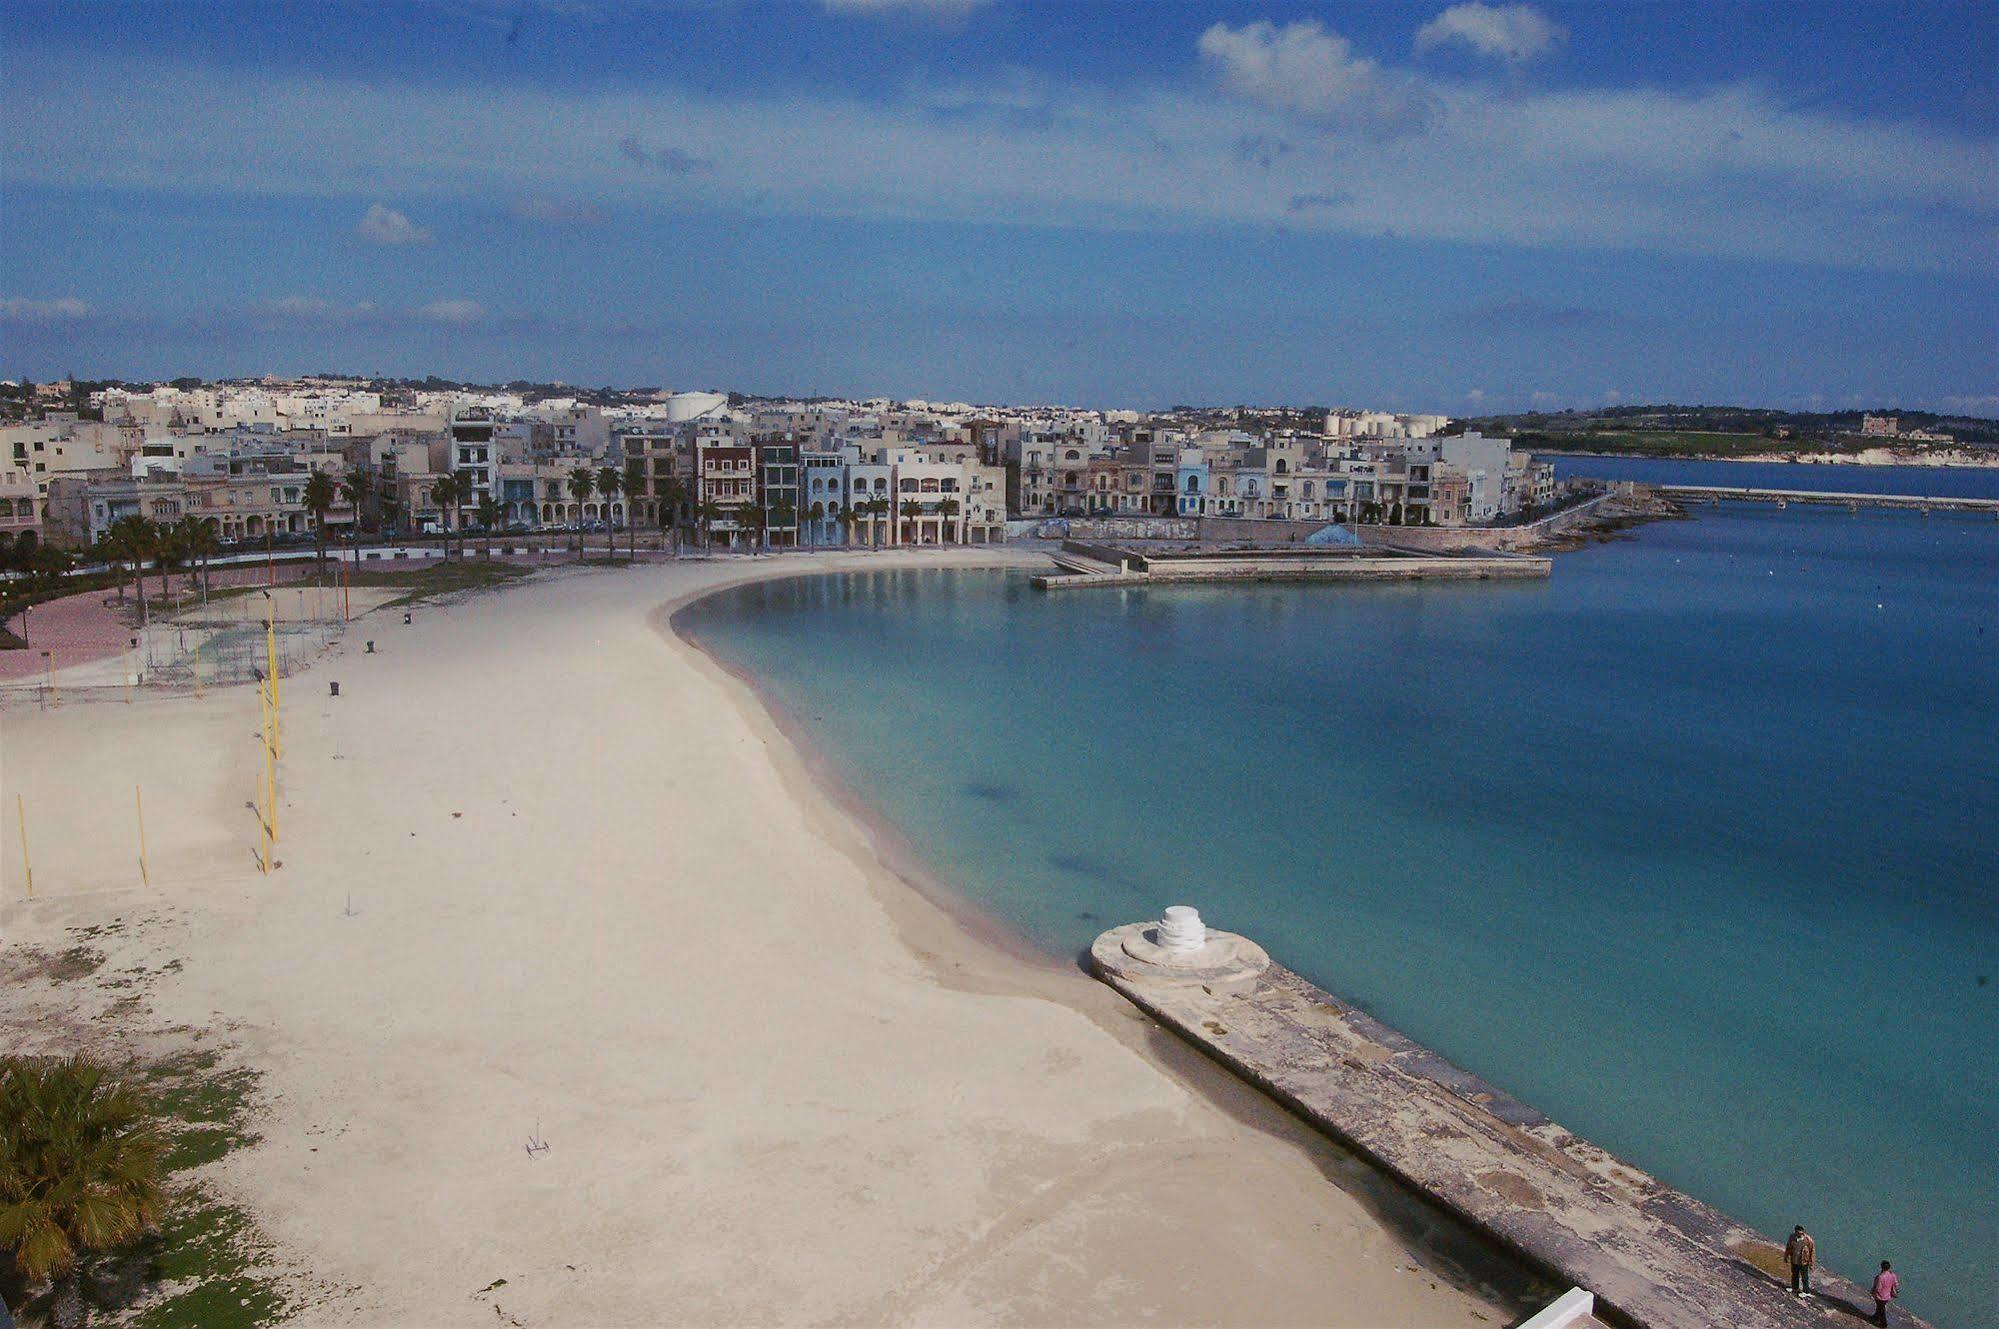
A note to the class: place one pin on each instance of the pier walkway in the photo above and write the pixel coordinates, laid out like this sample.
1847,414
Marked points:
1654,1257
1785,497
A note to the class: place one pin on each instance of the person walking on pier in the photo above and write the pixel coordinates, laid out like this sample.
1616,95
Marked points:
1801,1252
1886,1285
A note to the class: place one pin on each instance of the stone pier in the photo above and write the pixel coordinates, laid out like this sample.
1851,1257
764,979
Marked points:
1652,1256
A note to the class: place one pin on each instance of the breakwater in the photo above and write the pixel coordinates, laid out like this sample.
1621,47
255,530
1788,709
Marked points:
1086,564
1653,1257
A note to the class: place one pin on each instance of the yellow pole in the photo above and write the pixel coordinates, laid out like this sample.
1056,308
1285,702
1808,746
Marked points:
21,820
139,805
197,666
270,778
271,661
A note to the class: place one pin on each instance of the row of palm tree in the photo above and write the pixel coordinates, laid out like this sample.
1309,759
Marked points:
136,541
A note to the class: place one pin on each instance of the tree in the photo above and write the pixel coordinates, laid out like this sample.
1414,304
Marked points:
357,486
911,511
877,509
582,483
948,509
754,517
845,516
447,491
784,516
320,492
132,540
814,515
635,488
197,540
707,512
489,517
80,1163
672,495
610,483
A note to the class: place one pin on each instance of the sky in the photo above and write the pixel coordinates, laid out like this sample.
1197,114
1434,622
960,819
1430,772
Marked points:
1466,208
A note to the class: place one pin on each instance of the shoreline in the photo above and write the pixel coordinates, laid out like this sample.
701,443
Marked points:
766,1104
1772,459
951,933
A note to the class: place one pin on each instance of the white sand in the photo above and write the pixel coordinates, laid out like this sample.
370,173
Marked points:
594,888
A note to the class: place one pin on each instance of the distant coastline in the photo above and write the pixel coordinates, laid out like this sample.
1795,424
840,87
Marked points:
1872,457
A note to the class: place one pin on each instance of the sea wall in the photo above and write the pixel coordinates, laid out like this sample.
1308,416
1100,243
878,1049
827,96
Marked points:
1652,1256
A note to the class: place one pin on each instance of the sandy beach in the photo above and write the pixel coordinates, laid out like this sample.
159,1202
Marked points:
549,872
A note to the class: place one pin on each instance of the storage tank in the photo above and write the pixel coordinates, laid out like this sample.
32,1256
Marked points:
684,406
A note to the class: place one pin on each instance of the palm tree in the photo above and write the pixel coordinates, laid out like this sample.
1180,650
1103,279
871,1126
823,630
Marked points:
320,492
814,515
784,516
610,483
754,517
80,1162
582,483
911,510
172,552
672,493
132,539
635,488
356,487
447,491
948,509
845,516
197,540
107,550
489,517
707,512
877,509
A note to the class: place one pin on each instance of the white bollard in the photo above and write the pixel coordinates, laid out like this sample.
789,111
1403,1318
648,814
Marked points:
1181,929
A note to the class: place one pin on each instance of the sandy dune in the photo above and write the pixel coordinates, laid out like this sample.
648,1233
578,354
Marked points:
592,888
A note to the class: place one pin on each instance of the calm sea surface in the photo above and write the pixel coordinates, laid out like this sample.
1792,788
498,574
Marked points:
1695,846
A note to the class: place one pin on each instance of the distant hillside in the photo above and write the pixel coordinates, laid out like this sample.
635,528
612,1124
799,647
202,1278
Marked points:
1722,430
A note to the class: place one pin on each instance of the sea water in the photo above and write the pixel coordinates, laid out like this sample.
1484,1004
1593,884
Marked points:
1694,846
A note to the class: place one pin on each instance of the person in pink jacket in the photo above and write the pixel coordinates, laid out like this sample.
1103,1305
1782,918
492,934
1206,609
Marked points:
1885,1287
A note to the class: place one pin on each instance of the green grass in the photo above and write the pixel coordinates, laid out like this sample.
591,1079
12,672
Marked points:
207,1250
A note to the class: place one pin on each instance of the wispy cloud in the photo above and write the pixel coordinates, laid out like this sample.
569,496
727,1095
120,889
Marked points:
1523,314
672,160
456,313
384,225
934,11
1513,33
554,211
1317,202
1726,170
62,309
1304,68
317,311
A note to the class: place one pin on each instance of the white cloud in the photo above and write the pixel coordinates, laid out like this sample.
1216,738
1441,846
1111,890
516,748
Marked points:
455,312
386,226
312,309
1301,67
63,309
1498,32
1732,170
947,11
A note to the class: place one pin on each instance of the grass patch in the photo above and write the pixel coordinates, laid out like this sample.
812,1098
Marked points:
441,578
207,1251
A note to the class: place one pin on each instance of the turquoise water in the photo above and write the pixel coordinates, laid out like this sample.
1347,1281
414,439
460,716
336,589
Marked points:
1692,846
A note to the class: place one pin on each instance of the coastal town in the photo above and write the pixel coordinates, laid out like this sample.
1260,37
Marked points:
726,473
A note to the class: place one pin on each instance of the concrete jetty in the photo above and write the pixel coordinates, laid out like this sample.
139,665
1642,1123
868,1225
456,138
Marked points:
1924,503
1088,564
1653,1257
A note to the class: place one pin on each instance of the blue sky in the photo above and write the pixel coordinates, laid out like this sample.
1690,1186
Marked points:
1464,208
